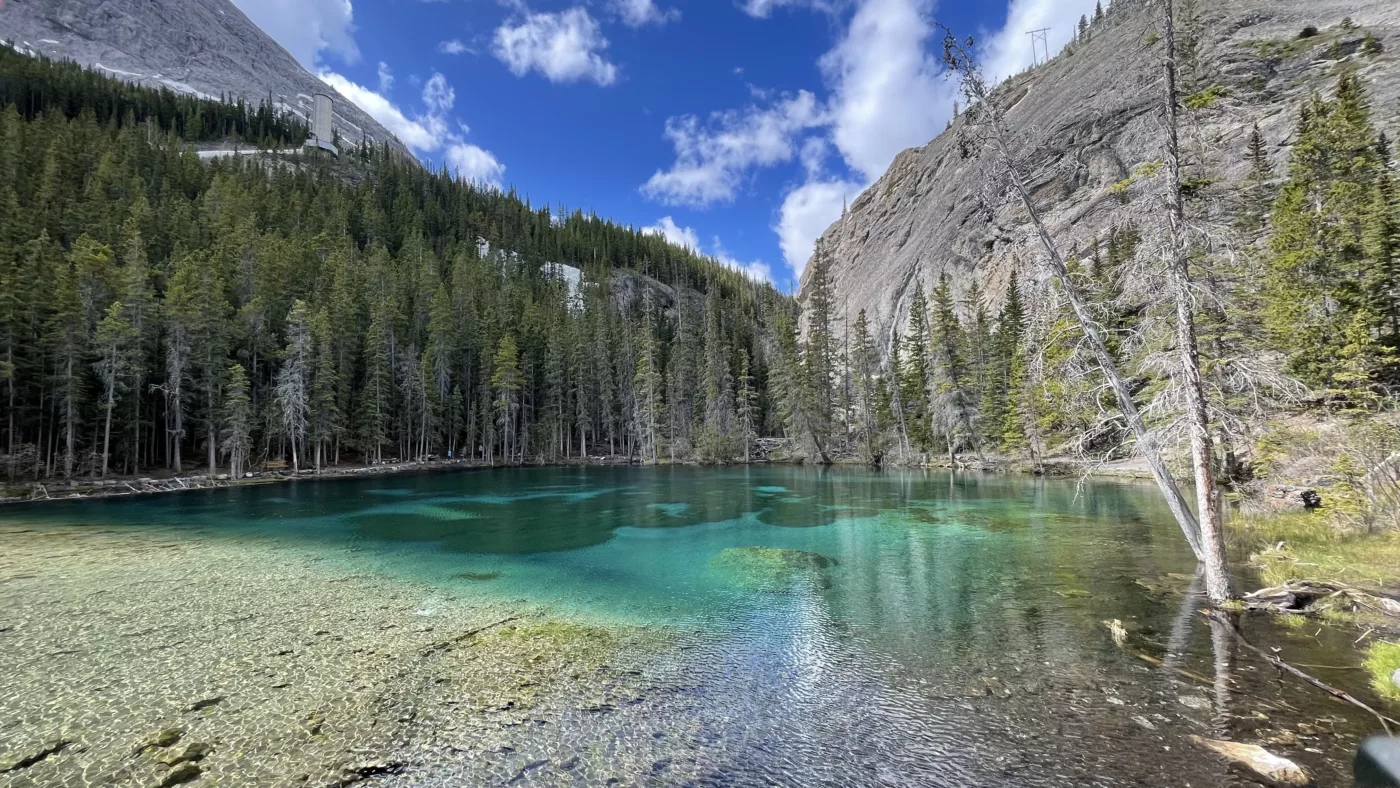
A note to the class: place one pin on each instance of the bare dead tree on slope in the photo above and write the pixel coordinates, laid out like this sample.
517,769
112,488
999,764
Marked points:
985,121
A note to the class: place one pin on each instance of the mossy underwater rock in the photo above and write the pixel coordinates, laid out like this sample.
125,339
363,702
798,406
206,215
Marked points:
768,568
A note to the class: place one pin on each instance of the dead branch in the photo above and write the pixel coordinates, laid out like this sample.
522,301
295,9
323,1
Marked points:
1274,660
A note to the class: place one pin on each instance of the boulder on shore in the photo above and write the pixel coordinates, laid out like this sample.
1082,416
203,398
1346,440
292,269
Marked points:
1273,769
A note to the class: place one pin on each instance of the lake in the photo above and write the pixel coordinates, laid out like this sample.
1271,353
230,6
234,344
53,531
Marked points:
740,626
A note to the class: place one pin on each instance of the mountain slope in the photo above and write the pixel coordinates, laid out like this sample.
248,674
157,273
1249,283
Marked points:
192,46
1085,122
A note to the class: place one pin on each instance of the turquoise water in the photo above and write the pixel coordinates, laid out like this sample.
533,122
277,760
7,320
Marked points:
952,632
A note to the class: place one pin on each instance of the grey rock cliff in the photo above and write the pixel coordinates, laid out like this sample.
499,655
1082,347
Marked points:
191,46
1085,122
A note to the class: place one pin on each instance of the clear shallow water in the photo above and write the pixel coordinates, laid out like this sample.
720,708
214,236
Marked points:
955,638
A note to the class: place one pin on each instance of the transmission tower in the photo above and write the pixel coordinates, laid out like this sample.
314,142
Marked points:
1039,43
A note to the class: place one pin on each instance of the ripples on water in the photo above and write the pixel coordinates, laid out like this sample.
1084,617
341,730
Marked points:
956,639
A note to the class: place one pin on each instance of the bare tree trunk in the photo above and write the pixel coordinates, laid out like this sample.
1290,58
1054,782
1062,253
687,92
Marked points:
1212,548
107,427
1147,446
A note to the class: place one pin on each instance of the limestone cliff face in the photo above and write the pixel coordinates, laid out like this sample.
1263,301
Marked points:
1084,123
190,46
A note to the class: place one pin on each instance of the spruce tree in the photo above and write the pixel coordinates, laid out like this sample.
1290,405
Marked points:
292,397
506,382
236,439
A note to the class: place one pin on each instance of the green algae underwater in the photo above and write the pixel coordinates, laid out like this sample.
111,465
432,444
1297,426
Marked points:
824,627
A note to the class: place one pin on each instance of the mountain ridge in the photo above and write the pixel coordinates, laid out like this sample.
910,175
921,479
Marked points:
1086,121
205,47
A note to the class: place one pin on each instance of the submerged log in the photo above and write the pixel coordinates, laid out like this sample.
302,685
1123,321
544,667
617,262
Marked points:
1274,769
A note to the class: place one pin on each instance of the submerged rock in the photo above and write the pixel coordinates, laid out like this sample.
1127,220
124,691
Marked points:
194,751
1274,769
164,738
768,568
26,759
182,773
477,577
205,703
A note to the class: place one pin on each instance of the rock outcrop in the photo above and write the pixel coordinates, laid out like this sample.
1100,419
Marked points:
206,47
1085,122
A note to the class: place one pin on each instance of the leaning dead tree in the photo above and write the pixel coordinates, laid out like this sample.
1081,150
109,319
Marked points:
985,120
1212,535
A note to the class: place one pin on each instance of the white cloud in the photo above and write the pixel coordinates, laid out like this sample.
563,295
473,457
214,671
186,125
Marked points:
564,47
413,133
474,164
453,47
756,270
683,237
636,13
438,96
428,133
1008,51
712,159
889,92
687,238
305,28
806,213
764,8
386,77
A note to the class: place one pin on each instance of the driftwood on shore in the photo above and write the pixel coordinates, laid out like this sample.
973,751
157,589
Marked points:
1307,597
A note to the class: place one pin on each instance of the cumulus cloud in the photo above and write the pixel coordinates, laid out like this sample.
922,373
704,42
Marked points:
713,157
386,77
453,47
474,164
430,132
888,90
687,238
438,96
674,234
637,13
764,8
806,213
306,28
563,47
1007,52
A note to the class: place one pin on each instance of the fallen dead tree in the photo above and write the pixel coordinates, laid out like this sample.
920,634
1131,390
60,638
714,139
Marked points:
1310,597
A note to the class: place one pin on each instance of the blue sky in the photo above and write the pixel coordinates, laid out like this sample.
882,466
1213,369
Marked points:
737,127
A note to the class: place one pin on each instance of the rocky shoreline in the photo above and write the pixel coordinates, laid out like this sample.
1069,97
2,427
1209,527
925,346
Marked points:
152,658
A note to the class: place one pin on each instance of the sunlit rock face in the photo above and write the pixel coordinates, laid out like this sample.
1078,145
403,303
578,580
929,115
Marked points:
201,47
1082,125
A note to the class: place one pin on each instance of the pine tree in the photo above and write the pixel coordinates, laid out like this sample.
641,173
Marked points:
506,382
325,418
915,370
953,411
820,355
1320,275
649,384
293,395
236,440
116,346
868,399
376,390
747,401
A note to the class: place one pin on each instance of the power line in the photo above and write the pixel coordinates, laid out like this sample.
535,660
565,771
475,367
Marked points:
1038,37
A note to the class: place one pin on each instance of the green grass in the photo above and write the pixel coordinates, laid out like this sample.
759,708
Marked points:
1382,662
1312,549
